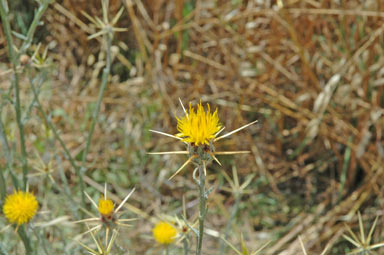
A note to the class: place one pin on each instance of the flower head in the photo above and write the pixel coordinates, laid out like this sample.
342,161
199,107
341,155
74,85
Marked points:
109,216
164,233
20,207
198,126
106,206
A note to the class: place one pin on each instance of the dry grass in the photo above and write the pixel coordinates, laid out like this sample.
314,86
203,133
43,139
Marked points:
310,71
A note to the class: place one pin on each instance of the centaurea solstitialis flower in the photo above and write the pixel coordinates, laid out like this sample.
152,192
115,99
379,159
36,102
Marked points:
183,227
20,207
164,233
109,216
199,129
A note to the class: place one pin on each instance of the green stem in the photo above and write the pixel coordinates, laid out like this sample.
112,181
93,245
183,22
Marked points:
167,250
234,211
186,248
24,237
14,59
64,180
15,84
4,141
8,156
202,208
7,31
2,185
33,26
58,138
24,158
104,83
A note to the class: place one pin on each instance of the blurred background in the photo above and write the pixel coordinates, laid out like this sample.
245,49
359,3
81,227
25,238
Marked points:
311,73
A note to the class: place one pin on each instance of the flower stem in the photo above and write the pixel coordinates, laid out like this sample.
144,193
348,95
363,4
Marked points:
3,139
8,157
32,28
58,138
186,248
104,82
2,185
202,208
24,237
167,250
15,84
14,59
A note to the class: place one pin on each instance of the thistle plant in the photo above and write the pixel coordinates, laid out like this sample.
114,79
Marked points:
199,130
109,217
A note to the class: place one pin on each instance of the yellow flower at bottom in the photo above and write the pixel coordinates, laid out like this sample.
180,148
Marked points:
198,126
20,207
106,206
164,233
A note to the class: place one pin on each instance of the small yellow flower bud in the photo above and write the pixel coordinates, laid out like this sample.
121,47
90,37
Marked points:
164,233
106,207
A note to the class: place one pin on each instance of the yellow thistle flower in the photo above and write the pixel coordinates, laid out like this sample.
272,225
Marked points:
164,233
20,207
198,126
106,206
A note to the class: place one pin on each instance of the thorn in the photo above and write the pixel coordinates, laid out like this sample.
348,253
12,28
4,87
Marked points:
208,192
165,134
186,114
205,168
93,202
125,200
194,176
214,157
231,152
181,168
234,131
105,191
221,130
167,152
